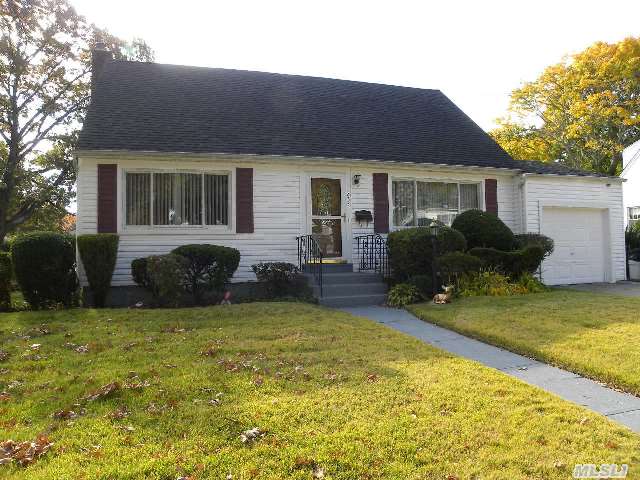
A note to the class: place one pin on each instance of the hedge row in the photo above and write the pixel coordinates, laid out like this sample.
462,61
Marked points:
476,240
198,269
44,265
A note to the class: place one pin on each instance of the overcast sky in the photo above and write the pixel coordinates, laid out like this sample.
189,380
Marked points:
476,52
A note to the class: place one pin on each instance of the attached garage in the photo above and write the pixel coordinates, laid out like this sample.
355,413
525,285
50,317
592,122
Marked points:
581,252
584,217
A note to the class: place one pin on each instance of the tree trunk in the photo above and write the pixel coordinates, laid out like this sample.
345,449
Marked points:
615,162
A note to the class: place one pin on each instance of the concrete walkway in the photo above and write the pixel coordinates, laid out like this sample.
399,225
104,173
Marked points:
625,288
621,407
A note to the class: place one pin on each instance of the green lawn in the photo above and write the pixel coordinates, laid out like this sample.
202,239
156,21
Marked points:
334,394
591,334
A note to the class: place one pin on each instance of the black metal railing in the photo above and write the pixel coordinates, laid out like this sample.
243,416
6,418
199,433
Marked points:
310,258
373,254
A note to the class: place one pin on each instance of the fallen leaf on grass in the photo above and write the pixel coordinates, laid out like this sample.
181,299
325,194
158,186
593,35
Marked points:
136,384
119,413
103,391
372,377
252,435
318,472
173,329
229,365
5,396
258,381
77,348
41,330
24,453
65,414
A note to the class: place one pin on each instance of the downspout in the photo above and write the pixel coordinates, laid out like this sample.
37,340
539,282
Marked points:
523,199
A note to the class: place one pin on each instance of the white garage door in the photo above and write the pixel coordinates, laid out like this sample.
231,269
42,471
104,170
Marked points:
580,245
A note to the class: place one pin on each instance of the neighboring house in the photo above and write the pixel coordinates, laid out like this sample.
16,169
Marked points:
631,187
170,155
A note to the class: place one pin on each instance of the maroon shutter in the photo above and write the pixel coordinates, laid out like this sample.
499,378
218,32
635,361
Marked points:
380,203
107,198
491,195
244,200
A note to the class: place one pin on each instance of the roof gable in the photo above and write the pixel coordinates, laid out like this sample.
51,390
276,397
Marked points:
167,108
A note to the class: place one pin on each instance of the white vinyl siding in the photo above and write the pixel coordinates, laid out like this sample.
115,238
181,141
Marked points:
280,204
277,218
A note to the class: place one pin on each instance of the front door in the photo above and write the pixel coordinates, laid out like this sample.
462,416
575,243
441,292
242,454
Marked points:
327,216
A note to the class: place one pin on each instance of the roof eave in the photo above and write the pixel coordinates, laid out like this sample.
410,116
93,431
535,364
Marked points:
261,157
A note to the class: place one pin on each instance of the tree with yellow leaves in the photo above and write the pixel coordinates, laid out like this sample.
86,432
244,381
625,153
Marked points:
582,111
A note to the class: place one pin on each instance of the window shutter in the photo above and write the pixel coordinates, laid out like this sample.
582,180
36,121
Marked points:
244,200
491,195
380,203
107,198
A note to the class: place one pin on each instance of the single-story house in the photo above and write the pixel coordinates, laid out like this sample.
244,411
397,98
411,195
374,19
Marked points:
631,187
171,155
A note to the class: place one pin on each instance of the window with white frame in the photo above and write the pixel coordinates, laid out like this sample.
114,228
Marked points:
177,198
634,215
416,202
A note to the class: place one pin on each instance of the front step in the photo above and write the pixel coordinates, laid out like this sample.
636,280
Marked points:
350,289
342,287
353,300
328,268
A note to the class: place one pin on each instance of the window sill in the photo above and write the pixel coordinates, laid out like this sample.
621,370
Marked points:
178,230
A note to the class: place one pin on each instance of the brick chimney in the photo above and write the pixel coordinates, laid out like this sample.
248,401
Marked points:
99,57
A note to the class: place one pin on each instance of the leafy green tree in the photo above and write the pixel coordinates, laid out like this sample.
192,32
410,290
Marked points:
45,70
582,111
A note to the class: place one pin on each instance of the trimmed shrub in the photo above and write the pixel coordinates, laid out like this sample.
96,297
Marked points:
139,272
44,265
98,253
634,255
485,283
495,284
632,237
513,263
278,277
452,265
531,284
484,229
209,267
526,239
166,275
424,284
410,250
5,281
403,294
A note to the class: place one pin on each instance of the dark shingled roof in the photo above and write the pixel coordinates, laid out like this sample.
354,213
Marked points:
168,108
553,168
141,106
